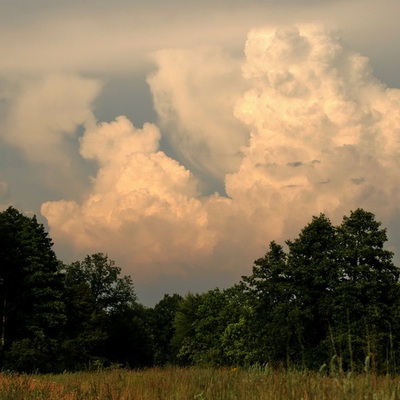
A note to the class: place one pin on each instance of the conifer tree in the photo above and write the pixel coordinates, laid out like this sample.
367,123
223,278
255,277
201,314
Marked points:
31,306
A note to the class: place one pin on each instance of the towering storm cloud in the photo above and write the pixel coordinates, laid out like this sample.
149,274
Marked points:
325,133
302,127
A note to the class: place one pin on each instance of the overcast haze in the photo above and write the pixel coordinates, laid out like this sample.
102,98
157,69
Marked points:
182,137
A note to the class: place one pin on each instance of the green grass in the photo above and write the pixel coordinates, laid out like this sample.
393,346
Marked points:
198,384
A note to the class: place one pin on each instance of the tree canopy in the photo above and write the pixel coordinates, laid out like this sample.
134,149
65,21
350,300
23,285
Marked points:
328,299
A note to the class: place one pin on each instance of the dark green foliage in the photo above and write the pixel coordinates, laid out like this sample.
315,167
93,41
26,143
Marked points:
332,296
208,325
331,300
367,291
270,294
31,307
55,317
162,318
129,338
104,322
185,319
313,269
240,338
101,277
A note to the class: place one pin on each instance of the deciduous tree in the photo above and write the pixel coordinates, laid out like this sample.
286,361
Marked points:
105,323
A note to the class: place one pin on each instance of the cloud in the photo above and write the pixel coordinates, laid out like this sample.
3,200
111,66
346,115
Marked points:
323,135
315,106
194,91
102,37
143,205
44,113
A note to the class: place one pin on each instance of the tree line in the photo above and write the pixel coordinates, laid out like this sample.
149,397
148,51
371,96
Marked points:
327,300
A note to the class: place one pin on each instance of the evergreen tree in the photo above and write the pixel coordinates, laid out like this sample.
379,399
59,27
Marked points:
31,306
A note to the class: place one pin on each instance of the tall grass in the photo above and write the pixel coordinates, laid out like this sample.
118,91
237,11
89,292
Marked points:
198,384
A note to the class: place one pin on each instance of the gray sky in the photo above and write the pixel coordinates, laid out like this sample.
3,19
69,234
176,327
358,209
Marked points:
181,137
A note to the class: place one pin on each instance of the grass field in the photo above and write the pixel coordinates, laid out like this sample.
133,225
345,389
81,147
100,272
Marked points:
197,384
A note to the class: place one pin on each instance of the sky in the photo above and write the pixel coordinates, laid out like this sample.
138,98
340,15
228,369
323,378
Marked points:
181,137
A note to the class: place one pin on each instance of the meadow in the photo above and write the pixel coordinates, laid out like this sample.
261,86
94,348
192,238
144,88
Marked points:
198,384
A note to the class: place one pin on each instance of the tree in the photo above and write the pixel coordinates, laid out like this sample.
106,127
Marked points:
314,272
31,307
206,327
185,319
204,347
367,291
162,318
105,322
101,276
334,295
129,338
240,340
270,292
